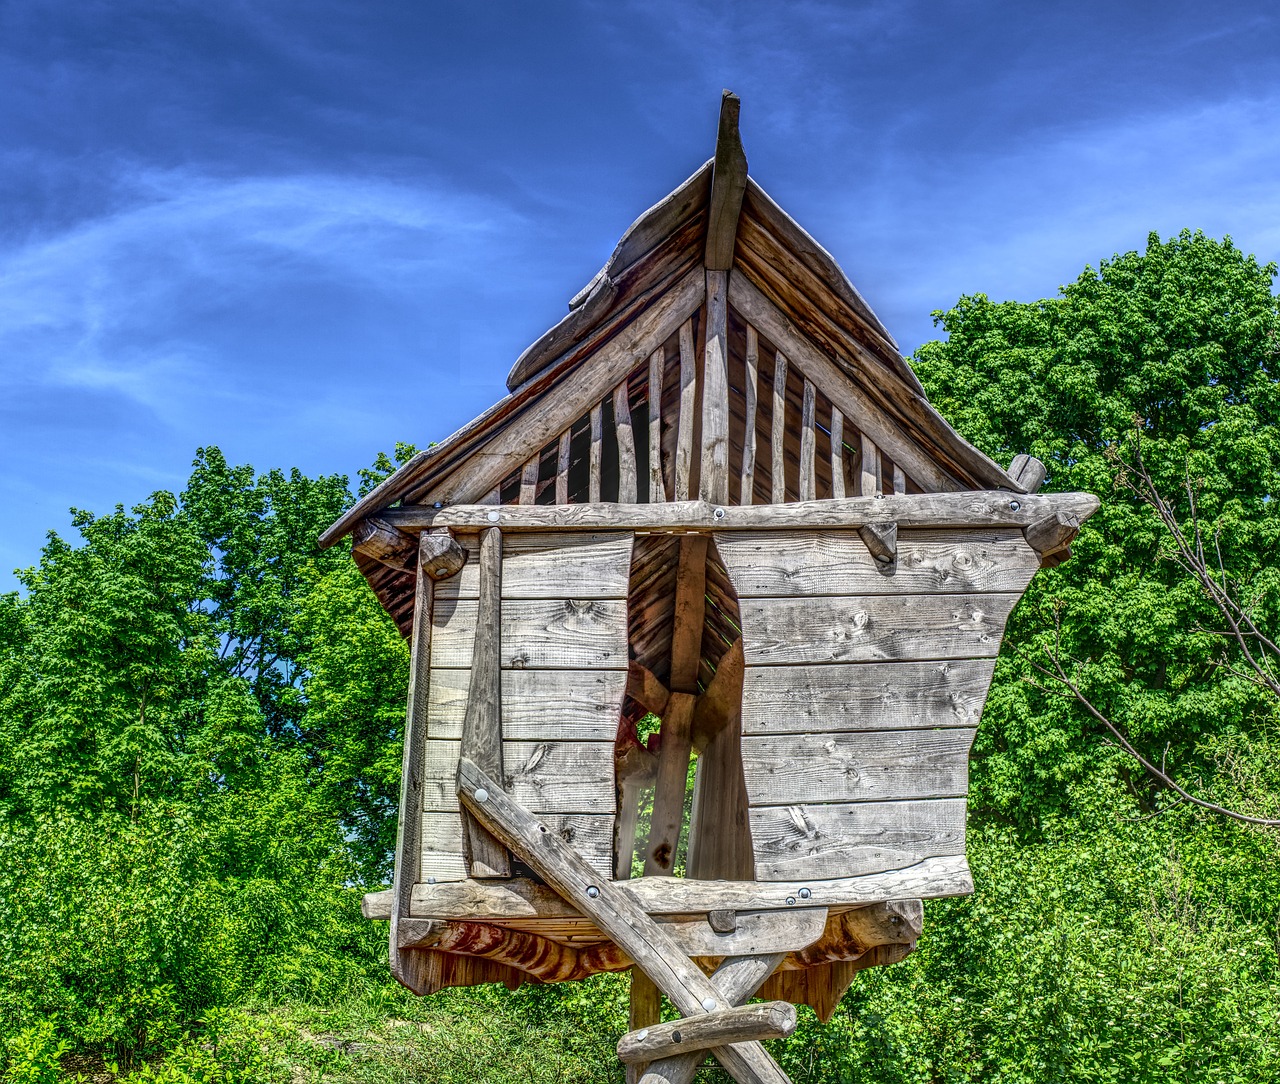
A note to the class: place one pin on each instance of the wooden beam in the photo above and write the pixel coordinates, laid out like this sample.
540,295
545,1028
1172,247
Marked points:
881,540
669,788
751,389
899,479
808,443
1052,533
529,479
439,555
613,911
628,489
977,508
690,610
871,482
482,724
771,1020
1028,472
728,183
777,436
562,468
374,537
688,398
657,369
713,483
645,689
597,453
837,454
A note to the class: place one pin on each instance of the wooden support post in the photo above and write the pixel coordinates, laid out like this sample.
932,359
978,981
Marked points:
899,479
771,1020
646,1011
870,484
1052,534
613,911
688,398
386,544
597,453
808,443
751,389
1028,472
645,689
439,556
778,432
713,482
482,723
529,480
657,486
728,184
837,453
627,486
562,469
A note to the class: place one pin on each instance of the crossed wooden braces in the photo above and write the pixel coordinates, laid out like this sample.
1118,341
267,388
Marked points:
713,1020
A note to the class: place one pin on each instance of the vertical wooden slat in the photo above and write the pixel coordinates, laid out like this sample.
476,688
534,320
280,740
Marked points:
482,722
628,492
870,469
529,481
808,443
597,452
899,479
688,396
777,436
837,452
657,487
494,496
751,387
562,470
713,481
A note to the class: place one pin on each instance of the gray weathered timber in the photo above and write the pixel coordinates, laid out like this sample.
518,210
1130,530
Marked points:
628,486
688,400
931,878
439,554
808,444
864,696
1028,472
771,1020
657,486
586,565
863,628
614,911
837,453
482,721
713,480
386,544
529,479
669,789
778,428
1052,533
868,417
547,776
562,467
585,704
728,184
825,562
864,766
595,463
870,475
972,508
590,834
881,540
854,838
750,390
568,634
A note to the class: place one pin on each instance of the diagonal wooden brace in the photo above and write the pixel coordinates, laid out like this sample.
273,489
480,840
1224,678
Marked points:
614,912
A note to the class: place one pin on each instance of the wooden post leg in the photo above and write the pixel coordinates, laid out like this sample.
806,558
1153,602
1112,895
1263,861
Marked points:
646,1010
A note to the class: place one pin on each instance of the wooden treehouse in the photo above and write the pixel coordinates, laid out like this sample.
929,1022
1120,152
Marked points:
717,495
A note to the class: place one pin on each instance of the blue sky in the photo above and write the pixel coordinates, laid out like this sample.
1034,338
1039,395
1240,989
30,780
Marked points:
303,231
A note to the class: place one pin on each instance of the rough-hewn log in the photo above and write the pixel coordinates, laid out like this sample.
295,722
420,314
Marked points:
751,390
881,539
1052,533
728,183
713,481
771,1020
439,554
374,537
1028,472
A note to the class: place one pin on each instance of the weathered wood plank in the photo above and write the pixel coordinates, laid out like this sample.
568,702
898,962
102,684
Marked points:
384,543
440,556
690,610
591,835
864,766
972,508
864,696
688,399
628,488
529,480
870,482
771,1020
837,453
580,705
777,436
751,390
773,565
899,479
860,629
728,185
481,723
615,912
546,776
669,789
657,368
539,634
596,455
586,565
518,898
562,468
852,839
858,408
713,481
808,443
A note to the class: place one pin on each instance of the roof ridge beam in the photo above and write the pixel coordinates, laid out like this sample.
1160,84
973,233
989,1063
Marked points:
728,184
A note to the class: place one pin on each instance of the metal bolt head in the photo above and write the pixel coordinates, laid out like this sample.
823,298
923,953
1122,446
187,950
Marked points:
791,901
431,880
482,795
592,891
718,513
493,517
805,893
1014,505
438,505
642,1034
675,1036
708,1003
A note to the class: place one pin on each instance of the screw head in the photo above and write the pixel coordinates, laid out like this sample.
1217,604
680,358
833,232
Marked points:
805,893
791,901
1014,505
438,505
642,1034
592,891
718,513
493,517
482,795
431,880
